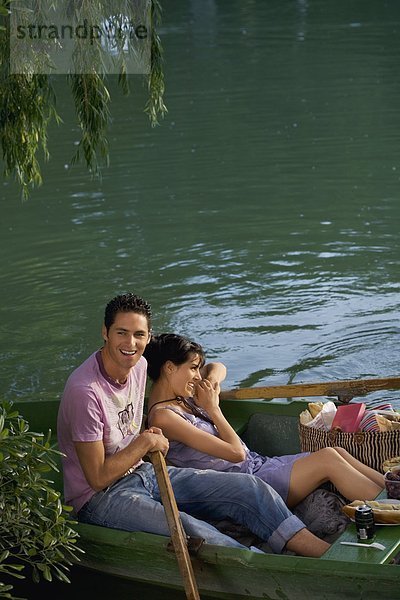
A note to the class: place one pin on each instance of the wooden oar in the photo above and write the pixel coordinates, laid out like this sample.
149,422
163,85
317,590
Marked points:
345,389
178,535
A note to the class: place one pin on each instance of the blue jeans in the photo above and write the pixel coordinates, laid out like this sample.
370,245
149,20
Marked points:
133,504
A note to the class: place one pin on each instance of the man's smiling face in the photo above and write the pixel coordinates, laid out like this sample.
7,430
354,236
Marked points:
125,342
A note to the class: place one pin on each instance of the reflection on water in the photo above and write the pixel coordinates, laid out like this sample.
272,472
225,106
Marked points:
261,218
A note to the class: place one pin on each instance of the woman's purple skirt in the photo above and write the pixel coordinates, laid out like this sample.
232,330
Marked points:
277,470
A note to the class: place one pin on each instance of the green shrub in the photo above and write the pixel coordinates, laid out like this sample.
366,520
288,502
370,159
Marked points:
35,533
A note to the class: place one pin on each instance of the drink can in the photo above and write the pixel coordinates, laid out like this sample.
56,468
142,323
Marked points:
365,524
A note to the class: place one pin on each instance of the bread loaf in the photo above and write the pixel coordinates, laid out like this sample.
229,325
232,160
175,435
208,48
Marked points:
385,512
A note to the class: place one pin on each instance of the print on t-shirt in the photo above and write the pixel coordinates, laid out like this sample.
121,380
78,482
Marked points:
126,422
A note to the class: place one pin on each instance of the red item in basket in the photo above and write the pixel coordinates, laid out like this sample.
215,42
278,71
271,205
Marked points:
348,417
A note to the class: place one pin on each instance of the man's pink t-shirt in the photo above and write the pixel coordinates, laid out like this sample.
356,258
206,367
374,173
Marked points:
95,408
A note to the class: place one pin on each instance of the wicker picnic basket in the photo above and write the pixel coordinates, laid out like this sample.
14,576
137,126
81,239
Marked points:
370,447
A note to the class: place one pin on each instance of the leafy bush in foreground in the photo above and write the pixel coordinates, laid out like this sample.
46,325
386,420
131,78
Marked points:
34,530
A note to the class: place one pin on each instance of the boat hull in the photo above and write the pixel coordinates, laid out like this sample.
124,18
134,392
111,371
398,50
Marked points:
233,574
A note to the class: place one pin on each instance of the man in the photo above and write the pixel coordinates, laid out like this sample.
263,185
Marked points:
105,478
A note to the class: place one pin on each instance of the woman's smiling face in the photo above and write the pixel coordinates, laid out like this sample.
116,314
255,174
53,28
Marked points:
183,378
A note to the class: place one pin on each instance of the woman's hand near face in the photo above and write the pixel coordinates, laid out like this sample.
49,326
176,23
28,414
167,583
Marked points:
207,395
229,446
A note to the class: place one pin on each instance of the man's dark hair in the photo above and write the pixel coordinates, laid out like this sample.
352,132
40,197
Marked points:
126,303
169,346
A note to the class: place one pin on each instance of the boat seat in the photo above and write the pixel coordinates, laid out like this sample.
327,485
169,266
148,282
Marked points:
386,535
272,435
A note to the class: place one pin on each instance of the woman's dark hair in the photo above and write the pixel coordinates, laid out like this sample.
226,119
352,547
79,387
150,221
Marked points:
169,346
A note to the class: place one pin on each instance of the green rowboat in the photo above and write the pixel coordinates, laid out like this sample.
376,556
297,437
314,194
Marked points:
129,561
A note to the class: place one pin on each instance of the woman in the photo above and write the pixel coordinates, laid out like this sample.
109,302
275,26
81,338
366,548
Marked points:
184,403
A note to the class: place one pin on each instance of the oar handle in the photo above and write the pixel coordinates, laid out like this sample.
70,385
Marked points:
177,532
344,389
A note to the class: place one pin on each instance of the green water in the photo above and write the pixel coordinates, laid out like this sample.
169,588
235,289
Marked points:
261,217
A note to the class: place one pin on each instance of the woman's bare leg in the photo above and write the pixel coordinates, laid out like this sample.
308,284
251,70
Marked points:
327,464
364,469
